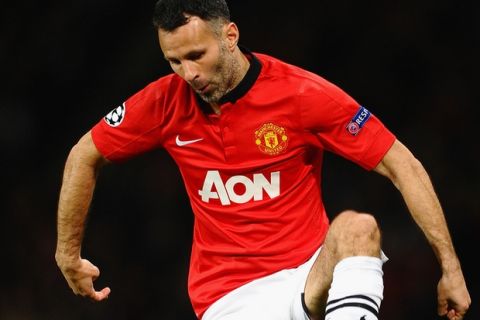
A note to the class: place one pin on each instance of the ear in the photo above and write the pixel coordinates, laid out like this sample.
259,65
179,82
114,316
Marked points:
232,35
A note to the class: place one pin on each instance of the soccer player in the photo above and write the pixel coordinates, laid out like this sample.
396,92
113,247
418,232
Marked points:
248,132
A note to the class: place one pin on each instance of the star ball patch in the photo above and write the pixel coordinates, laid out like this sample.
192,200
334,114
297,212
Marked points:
271,139
115,117
358,121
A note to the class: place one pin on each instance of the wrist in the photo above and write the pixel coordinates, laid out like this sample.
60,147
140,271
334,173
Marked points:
66,259
450,266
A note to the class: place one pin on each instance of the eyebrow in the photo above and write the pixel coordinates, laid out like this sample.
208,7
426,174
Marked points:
188,55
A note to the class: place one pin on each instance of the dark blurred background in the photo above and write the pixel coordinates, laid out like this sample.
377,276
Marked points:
66,64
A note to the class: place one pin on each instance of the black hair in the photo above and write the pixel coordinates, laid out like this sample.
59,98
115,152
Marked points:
171,14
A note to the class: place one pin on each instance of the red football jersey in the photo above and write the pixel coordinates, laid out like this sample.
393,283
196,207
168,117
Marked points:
252,173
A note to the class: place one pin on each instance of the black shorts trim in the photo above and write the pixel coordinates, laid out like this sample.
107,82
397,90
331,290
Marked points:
304,305
353,304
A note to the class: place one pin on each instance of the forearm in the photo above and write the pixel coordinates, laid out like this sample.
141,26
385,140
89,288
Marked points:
424,206
74,202
411,179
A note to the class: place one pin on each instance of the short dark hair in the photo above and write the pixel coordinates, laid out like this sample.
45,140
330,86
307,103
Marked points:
171,14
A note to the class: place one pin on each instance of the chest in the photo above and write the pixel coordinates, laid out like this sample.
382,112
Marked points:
247,134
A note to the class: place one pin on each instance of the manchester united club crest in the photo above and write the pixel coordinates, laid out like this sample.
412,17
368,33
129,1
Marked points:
271,139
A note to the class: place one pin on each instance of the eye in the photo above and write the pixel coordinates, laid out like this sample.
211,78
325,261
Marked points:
196,55
174,61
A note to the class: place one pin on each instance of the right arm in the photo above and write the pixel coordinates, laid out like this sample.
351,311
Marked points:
79,178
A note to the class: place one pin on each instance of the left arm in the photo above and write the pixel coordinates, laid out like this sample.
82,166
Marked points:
411,179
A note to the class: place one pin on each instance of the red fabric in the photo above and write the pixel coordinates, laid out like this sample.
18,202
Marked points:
254,178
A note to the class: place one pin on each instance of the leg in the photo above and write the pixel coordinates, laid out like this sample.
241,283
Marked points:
350,234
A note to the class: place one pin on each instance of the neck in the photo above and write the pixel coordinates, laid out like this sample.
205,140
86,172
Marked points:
215,107
244,64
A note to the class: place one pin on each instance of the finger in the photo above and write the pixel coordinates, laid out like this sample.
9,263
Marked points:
442,310
83,288
452,315
102,294
95,272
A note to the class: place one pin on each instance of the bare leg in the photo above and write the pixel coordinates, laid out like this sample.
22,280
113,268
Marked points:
350,234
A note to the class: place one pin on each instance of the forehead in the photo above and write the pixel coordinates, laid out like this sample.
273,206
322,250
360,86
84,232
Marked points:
196,34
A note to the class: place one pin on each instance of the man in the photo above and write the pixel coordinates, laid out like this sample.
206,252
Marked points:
248,132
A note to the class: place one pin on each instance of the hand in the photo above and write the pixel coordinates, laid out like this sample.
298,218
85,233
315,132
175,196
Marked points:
453,297
80,276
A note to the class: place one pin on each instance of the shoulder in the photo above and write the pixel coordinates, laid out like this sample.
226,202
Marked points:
162,89
302,81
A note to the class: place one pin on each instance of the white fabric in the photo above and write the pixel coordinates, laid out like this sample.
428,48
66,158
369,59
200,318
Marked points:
278,296
356,280
274,297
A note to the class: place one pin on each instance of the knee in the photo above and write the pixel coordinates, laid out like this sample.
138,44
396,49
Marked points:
356,224
356,233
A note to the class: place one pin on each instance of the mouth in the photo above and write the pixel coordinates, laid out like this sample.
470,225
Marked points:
203,89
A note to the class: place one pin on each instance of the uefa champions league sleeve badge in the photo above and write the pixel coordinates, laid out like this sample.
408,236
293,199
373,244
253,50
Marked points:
115,117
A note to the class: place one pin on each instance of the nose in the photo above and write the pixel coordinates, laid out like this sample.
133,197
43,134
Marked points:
190,73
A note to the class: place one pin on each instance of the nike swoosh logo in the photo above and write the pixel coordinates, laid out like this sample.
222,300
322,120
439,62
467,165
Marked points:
182,143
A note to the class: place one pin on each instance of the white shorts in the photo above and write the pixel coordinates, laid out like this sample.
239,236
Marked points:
274,297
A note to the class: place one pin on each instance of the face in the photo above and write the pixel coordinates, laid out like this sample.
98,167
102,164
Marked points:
201,57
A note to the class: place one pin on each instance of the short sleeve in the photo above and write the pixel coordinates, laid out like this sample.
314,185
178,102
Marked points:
132,128
342,125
